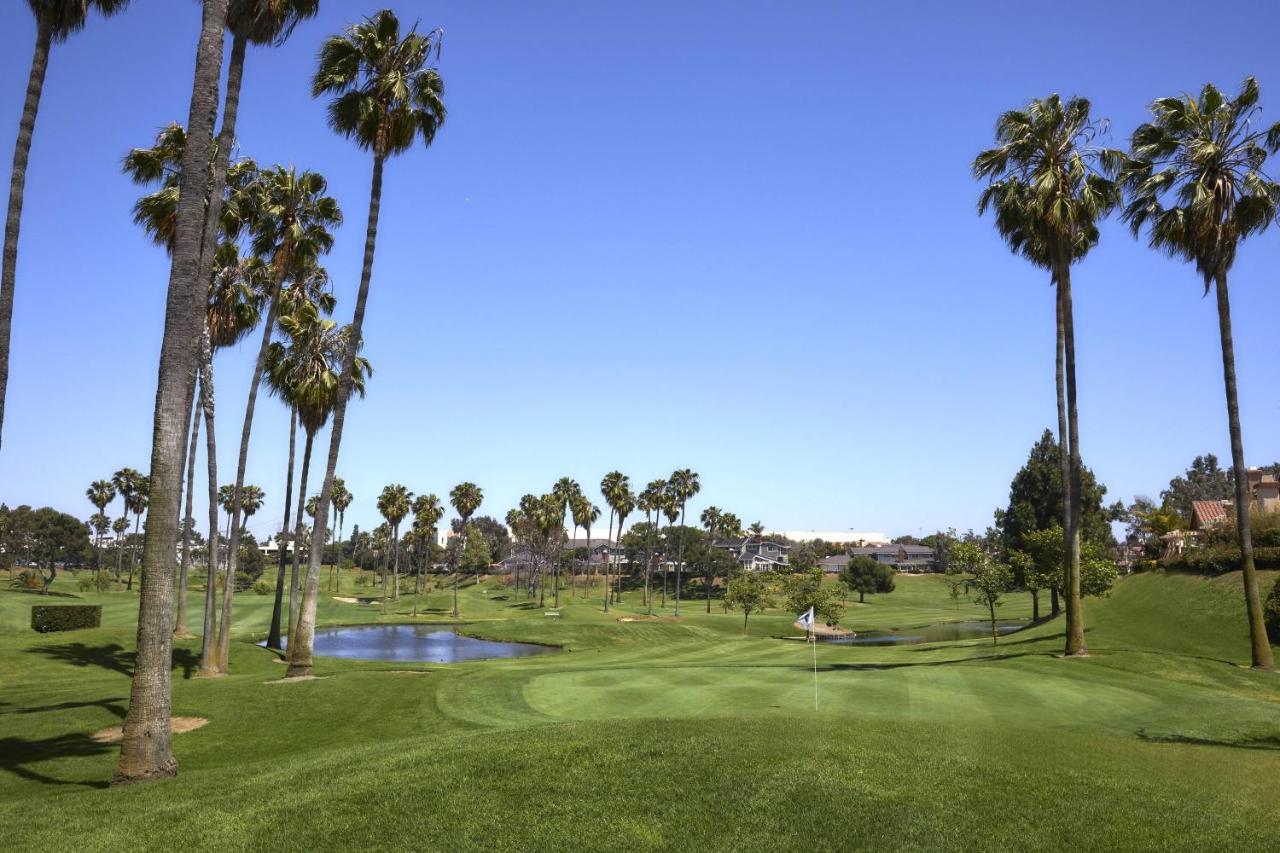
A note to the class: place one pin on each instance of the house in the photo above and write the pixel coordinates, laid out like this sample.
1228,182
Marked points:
904,558
763,555
1265,489
1206,515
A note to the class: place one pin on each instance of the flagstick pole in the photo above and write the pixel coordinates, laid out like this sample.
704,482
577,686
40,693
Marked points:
815,671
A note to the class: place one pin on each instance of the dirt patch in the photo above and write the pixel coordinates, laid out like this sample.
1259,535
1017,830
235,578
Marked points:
345,600
177,725
647,619
408,672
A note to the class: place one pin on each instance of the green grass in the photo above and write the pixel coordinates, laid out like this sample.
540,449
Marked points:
663,734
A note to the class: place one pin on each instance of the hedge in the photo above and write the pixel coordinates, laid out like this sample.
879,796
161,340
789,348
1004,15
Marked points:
1216,559
65,617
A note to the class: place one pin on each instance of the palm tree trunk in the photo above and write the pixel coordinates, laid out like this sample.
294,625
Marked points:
146,751
294,599
609,534
209,665
1260,648
273,634
17,190
133,549
680,558
1075,645
300,654
180,629
648,563
395,562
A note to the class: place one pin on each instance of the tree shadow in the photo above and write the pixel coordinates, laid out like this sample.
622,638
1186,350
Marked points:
112,704
18,754
112,657
1267,742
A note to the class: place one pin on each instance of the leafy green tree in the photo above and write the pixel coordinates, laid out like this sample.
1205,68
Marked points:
386,95
1049,185
55,537
1098,573
1209,157
806,589
865,575
1204,480
750,592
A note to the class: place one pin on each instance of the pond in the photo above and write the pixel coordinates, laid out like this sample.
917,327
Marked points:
940,633
422,643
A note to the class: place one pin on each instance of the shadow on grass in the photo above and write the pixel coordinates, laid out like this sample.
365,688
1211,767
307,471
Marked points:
113,705
111,656
1268,742
18,754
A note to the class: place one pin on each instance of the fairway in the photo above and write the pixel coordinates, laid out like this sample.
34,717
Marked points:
664,734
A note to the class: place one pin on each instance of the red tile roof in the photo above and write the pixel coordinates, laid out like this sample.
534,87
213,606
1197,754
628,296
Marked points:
1207,513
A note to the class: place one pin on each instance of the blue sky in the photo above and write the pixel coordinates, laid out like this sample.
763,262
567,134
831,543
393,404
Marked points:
733,236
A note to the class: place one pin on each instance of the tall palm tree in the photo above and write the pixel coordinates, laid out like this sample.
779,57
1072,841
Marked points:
305,374
127,481
394,503
610,486
56,21
137,505
1206,156
579,510
682,485
590,515
146,750
119,527
713,521
466,499
290,220
650,501
669,505
1049,185
566,491
386,95
427,512
100,493
341,500
626,504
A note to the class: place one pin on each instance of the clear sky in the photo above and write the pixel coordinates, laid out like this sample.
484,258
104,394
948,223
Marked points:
733,236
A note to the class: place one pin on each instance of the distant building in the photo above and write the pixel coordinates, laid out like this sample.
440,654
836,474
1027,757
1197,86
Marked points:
915,559
1206,515
1265,489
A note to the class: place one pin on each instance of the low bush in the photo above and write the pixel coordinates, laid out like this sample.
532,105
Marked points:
1271,613
261,587
65,617
1216,559
29,579
95,583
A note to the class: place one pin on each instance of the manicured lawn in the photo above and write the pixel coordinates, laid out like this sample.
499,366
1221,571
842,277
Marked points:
663,734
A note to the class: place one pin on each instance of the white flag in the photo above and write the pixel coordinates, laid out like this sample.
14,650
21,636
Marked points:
805,619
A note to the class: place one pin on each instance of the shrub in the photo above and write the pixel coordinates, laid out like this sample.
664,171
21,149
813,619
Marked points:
1216,559
65,617
1271,613
95,583
28,579
261,587
362,579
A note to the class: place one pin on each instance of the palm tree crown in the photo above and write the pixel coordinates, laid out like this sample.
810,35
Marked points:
386,93
1207,155
394,503
466,499
100,493
67,17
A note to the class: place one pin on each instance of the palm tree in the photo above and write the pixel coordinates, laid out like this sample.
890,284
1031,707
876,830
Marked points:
1207,155
682,486
566,490
1048,186
304,373
119,528
146,751
580,510
466,499
100,493
290,221
394,503
427,512
137,505
650,501
127,482
713,520
626,504
56,21
341,500
385,96
610,487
